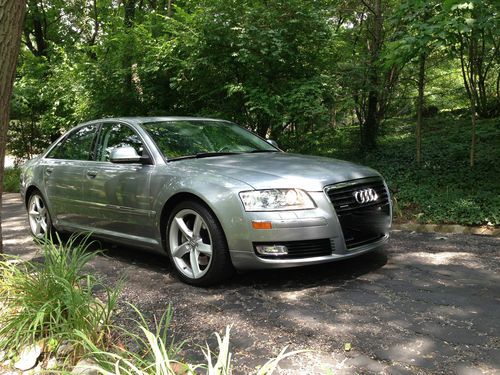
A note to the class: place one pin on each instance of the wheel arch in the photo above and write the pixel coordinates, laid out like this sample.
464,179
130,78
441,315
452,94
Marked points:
29,192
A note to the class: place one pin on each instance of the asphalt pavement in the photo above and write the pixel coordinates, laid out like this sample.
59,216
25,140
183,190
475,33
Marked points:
427,303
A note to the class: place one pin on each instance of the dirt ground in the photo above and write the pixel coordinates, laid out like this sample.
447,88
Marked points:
425,304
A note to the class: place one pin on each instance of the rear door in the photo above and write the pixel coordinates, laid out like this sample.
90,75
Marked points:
63,174
117,196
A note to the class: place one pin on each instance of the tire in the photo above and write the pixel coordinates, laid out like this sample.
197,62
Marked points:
196,245
39,217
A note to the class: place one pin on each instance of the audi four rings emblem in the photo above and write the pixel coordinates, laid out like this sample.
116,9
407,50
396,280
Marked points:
365,196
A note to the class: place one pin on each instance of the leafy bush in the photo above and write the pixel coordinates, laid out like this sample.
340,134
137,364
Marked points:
11,179
53,299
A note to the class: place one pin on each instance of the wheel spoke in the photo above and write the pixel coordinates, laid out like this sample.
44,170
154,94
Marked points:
43,225
195,266
183,228
33,213
38,204
204,248
198,222
181,250
37,230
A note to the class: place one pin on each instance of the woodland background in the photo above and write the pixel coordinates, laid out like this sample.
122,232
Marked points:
409,87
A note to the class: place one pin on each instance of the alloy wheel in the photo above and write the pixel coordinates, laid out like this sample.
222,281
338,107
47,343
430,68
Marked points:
38,216
190,244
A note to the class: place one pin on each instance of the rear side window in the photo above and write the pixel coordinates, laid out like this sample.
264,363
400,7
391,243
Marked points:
77,146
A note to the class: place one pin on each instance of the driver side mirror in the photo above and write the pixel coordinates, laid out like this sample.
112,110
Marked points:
124,154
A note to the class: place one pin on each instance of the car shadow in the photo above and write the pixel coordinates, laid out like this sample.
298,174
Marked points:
330,273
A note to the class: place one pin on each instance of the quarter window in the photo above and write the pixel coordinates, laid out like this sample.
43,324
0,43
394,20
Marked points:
77,146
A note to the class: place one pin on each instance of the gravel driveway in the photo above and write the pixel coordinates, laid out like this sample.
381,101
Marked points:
426,303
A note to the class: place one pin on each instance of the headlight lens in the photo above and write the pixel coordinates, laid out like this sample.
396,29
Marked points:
276,200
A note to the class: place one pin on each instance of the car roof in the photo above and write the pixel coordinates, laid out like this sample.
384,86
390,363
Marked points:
142,120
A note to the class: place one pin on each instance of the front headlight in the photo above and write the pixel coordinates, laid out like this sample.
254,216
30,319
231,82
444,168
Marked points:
276,200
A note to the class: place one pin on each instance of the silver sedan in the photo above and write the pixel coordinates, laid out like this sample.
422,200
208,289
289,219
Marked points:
212,195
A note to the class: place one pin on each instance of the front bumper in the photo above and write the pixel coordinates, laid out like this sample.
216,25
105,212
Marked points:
321,223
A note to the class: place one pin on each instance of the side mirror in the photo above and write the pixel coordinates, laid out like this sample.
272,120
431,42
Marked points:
125,154
272,142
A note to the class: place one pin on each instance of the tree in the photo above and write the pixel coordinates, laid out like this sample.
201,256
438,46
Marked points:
472,31
363,28
415,40
11,24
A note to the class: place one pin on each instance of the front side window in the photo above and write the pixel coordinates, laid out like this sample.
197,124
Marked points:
117,135
76,146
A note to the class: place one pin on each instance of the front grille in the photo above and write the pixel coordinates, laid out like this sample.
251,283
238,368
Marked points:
362,223
342,195
301,249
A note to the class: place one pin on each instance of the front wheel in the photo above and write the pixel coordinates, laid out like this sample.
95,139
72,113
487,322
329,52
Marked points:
38,216
197,246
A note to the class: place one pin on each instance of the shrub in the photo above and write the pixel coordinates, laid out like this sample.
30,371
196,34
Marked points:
11,179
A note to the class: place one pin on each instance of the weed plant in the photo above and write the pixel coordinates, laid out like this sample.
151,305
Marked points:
53,300
155,354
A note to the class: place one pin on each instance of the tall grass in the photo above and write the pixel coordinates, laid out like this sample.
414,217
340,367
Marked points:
155,356
53,299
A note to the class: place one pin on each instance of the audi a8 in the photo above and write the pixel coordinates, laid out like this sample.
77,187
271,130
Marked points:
210,194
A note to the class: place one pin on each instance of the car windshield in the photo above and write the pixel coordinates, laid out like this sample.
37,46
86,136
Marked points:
199,138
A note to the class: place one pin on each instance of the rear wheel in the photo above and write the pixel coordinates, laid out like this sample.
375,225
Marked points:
38,216
197,246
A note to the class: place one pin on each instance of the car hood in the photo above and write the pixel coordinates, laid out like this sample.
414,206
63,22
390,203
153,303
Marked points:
281,170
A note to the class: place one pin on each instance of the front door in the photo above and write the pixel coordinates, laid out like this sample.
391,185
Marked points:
117,196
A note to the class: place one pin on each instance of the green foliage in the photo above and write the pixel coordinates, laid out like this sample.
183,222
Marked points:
11,180
309,74
53,300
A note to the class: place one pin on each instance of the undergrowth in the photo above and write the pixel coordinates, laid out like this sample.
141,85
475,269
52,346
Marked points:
50,302
11,178
444,189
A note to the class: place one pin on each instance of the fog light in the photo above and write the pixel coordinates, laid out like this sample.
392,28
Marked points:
271,249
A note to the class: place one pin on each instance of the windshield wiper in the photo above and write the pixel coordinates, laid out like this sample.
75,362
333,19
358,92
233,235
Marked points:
255,151
204,155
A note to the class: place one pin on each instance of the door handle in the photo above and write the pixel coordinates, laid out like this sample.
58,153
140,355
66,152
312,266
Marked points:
49,170
91,174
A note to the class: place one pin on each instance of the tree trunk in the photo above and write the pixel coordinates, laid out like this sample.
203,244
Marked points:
11,26
473,137
420,106
128,93
371,123
473,98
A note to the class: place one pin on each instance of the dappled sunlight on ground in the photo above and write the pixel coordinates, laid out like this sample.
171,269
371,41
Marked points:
427,303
